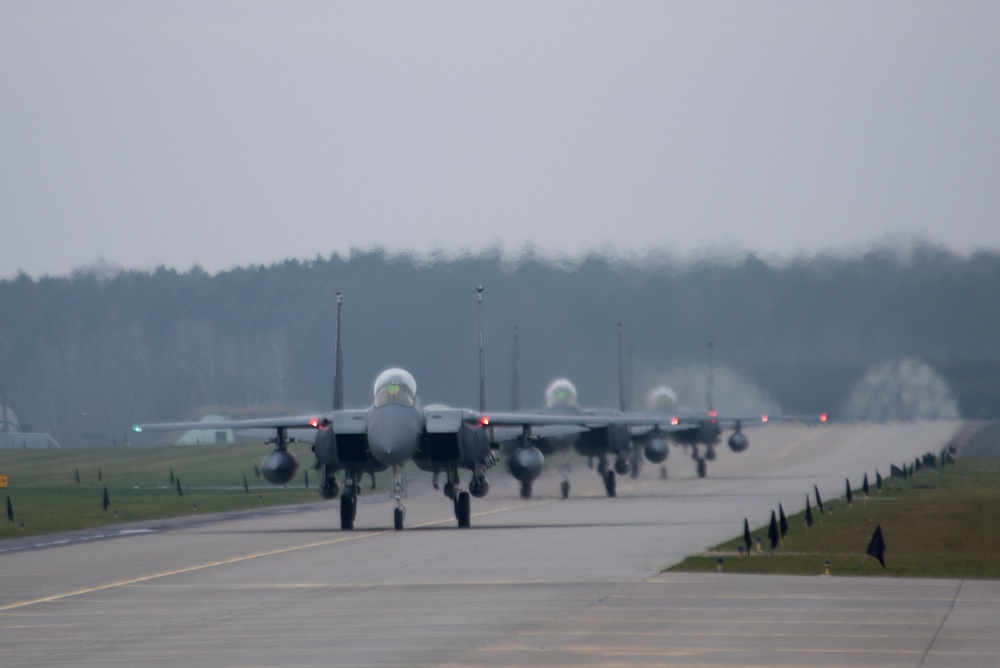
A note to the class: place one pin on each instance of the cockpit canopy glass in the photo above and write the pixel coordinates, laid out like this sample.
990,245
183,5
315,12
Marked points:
560,392
395,386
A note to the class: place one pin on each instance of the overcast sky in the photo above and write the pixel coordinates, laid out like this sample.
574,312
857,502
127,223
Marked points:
231,133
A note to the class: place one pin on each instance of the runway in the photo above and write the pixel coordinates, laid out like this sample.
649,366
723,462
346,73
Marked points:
540,582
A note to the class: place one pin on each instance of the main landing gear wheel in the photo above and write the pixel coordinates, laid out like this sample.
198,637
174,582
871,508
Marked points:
609,483
663,473
564,488
525,490
463,510
397,519
348,507
702,469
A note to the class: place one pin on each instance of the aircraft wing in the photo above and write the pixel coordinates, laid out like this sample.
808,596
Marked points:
588,421
314,421
731,422
643,429
503,433
727,422
294,433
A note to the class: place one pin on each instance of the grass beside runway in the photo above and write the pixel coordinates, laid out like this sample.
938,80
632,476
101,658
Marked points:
938,523
46,497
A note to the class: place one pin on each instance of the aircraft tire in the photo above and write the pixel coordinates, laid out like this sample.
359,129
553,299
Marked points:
464,510
525,490
609,483
663,473
702,468
397,519
347,511
564,488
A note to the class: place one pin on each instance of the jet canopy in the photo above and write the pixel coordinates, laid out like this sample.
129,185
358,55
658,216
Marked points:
395,386
560,392
661,398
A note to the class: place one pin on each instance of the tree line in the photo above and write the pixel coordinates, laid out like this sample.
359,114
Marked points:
83,356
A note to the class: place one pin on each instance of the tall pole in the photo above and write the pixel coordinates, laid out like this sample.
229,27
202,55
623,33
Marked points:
514,380
482,357
338,363
711,374
621,372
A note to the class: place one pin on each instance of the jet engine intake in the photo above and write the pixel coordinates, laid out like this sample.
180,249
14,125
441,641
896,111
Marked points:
526,463
738,442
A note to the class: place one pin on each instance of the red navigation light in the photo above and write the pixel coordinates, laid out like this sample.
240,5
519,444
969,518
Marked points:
485,421
675,421
314,423
822,417
713,413
763,418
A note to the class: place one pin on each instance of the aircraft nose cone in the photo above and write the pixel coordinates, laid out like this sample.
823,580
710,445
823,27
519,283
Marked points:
393,434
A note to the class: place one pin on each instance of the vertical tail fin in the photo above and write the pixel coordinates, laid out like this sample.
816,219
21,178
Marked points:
514,380
711,375
621,373
338,363
482,360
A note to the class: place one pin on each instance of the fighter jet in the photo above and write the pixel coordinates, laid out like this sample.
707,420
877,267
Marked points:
700,433
612,441
624,438
398,428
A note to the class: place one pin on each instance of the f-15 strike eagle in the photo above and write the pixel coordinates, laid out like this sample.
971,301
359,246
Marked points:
398,428
703,431
628,442
602,443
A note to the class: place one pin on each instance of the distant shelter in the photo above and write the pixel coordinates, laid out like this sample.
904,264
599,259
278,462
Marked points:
208,436
13,438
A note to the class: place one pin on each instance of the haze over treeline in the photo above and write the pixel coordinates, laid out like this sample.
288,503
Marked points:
84,356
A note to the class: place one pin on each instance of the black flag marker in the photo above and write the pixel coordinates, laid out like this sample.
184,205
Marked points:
246,487
809,513
180,492
876,547
107,501
772,531
850,496
819,501
76,475
746,534
782,521
864,486
10,511
878,480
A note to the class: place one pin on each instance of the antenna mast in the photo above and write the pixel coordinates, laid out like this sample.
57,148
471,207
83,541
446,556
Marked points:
621,372
514,381
482,359
338,363
711,374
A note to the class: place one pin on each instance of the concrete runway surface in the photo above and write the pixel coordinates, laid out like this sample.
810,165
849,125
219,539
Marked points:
540,582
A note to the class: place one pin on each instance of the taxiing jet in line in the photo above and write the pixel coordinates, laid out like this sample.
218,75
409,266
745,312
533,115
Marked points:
398,428
704,430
